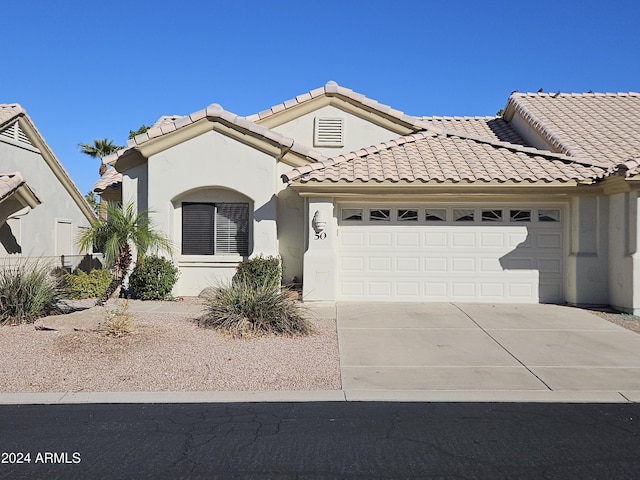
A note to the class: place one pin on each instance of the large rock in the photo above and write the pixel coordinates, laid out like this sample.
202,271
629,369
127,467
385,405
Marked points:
86,320
208,292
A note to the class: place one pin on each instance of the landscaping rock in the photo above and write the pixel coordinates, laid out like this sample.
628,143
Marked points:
81,320
208,292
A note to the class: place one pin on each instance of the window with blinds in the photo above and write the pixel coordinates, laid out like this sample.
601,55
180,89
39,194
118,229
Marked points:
215,228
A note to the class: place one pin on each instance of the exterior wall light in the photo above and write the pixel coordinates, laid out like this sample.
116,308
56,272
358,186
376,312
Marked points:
319,222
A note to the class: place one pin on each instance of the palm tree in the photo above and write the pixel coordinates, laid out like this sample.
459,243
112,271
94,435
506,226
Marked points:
100,149
116,234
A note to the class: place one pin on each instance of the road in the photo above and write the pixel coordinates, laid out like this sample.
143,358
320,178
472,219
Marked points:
321,440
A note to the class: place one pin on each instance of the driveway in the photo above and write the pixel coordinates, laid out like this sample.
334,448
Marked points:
484,347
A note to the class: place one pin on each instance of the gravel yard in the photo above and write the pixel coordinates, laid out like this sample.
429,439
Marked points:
169,352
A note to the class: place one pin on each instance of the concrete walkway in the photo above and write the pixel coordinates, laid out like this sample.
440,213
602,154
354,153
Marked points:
482,351
441,352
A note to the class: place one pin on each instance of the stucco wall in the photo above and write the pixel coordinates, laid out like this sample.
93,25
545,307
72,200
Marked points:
213,168
358,132
35,232
291,230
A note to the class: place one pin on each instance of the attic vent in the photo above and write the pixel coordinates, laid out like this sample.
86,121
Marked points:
329,132
14,132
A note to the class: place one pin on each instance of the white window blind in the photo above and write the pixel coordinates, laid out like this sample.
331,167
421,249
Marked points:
232,228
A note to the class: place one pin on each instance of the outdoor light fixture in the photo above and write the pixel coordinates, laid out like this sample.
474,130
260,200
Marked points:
319,222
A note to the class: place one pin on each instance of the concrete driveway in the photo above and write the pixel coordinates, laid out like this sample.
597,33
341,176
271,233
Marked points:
487,350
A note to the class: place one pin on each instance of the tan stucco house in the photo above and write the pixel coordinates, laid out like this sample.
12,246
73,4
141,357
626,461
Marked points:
364,202
41,209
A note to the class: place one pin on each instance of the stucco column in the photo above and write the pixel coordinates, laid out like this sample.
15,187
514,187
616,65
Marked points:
634,251
320,257
587,272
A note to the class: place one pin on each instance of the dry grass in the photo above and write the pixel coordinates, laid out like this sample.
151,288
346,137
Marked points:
118,322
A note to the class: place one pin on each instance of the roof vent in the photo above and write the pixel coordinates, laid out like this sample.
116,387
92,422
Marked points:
329,132
14,132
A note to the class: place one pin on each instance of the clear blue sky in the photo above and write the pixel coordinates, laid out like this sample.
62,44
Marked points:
88,69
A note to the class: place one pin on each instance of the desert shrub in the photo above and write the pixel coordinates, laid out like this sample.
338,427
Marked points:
118,323
259,271
27,291
153,278
82,285
244,309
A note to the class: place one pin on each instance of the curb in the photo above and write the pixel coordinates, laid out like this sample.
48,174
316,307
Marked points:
431,396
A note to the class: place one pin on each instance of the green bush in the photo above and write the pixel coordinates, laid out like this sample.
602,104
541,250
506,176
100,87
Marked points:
244,309
153,278
82,285
259,270
27,291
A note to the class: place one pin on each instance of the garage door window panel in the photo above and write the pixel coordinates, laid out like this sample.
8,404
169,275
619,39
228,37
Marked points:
435,215
492,215
548,215
215,228
380,215
352,214
520,215
464,215
407,215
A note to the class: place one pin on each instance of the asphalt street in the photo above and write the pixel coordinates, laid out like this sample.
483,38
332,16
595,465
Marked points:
329,440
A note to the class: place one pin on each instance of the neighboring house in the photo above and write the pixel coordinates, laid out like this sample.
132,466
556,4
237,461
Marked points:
41,210
537,206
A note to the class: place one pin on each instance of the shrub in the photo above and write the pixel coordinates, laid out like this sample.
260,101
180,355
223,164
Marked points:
27,291
259,270
153,278
82,285
244,309
118,323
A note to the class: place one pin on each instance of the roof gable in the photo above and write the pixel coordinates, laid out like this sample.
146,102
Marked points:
214,117
344,98
24,125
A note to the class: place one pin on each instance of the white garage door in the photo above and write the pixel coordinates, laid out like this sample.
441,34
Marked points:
451,253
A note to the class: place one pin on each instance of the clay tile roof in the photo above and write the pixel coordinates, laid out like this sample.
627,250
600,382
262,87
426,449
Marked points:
331,88
428,156
166,120
491,128
599,126
10,182
108,178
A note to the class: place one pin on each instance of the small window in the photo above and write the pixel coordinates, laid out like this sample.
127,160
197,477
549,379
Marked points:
548,215
410,215
352,214
491,215
464,214
379,215
329,132
435,215
520,215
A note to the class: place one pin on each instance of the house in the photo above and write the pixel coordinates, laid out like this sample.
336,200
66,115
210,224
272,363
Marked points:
364,202
41,209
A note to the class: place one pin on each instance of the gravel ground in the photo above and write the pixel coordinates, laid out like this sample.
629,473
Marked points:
626,320
169,352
